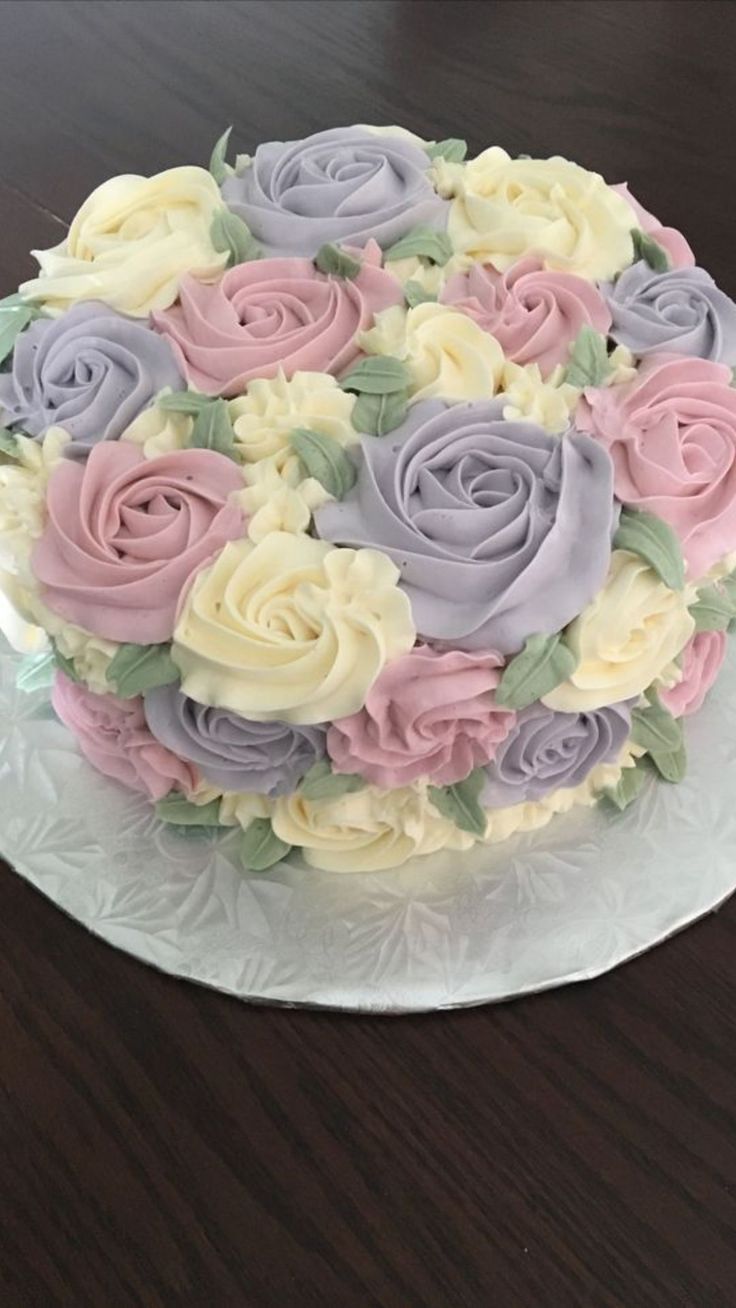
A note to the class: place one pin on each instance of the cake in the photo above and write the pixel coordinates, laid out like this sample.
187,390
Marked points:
369,498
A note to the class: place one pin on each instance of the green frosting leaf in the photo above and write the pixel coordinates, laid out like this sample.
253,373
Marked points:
232,236
655,542
671,765
460,802
66,665
219,168
543,663
320,782
422,243
213,430
379,414
134,669
8,443
36,672
627,787
414,294
378,375
260,847
323,458
589,364
176,809
188,402
15,314
655,729
714,608
453,149
646,248
331,259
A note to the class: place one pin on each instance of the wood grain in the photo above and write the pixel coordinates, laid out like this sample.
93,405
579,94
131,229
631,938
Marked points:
166,1146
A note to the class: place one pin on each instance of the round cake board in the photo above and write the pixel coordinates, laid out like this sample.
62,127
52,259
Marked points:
565,904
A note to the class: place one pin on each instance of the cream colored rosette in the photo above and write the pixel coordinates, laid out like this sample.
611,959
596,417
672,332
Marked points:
549,402
23,482
505,208
367,831
130,243
291,628
446,353
625,639
159,431
279,497
264,418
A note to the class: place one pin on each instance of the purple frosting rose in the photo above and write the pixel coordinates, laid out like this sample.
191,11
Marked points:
91,371
681,311
499,529
234,753
545,751
344,185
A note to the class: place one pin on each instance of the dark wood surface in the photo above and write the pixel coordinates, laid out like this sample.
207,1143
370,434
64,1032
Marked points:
165,1146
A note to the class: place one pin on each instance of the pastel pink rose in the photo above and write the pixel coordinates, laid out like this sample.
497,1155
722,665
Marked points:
671,433
274,314
701,662
124,534
672,241
535,315
113,735
429,714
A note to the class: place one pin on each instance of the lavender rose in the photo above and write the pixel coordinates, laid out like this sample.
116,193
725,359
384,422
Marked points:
344,185
680,311
499,529
90,371
546,751
234,753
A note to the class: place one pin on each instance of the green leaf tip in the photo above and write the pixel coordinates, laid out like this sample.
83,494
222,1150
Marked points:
213,430
646,248
320,782
544,663
589,363
322,458
460,802
260,847
453,149
654,541
218,166
134,669
178,811
331,259
421,243
231,236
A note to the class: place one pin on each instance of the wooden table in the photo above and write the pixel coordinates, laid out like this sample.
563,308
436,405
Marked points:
166,1146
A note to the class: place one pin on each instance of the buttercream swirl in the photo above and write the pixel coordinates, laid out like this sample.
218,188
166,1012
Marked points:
681,311
270,316
346,185
367,831
125,533
671,434
546,750
290,628
92,372
113,735
625,639
264,418
534,314
232,752
445,352
428,714
484,519
130,243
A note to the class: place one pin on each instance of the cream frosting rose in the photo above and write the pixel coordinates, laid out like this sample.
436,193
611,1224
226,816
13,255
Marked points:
131,242
549,401
429,714
505,208
445,352
125,533
290,628
535,314
272,315
624,639
367,831
158,431
702,659
264,418
113,734
671,434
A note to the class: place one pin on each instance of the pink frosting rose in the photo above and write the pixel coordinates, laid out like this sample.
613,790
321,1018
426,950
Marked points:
429,714
124,534
671,433
113,735
535,315
701,663
672,241
272,314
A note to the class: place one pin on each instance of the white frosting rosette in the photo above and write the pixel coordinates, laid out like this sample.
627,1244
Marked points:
264,418
445,352
131,241
291,628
